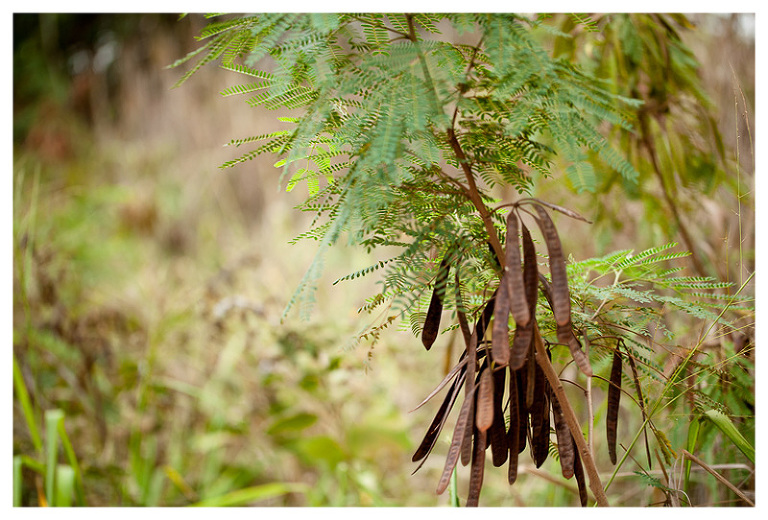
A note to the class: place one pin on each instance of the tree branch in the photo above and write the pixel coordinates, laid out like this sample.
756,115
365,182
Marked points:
570,418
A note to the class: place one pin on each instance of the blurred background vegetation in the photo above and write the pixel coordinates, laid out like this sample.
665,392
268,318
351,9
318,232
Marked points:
150,363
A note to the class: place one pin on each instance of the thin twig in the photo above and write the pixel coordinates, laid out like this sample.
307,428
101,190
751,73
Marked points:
718,476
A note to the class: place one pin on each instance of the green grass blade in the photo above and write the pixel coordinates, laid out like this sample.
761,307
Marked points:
725,425
65,485
253,494
52,420
17,465
693,437
453,490
26,405
72,458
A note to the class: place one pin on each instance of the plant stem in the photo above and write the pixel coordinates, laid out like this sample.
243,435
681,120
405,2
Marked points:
570,417
718,476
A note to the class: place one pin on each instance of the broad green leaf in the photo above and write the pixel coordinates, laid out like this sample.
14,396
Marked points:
725,425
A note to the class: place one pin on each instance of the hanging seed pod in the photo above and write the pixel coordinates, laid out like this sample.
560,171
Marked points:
540,419
517,302
453,451
524,335
522,384
500,341
641,401
614,397
463,324
484,413
514,426
435,310
564,439
437,424
485,317
497,434
578,472
566,336
561,299
477,470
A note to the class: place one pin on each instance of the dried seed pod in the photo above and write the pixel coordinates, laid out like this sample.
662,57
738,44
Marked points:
518,305
578,472
561,299
477,470
497,434
521,342
500,341
437,424
484,413
566,336
540,418
463,324
514,426
641,401
485,317
614,397
564,439
435,310
453,451
522,385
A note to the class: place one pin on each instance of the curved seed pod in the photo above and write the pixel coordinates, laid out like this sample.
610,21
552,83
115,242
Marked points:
485,317
435,310
453,451
540,419
530,381
466,443
578,472
522,384
561,299
463,324
530,270
500,338
641,401
437,424
564,439
566,336
460,368
498,433
518,305
514,426
521,345
478,468
614,397
484,413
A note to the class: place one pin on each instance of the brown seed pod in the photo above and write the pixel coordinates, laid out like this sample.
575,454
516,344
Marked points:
566,336
463,324
453,451
514,426
564,439
435,310
518,305
500,341
437,424
641,401
497,434
540,419
561,299
477,470
614,397
578,472
522,384
484,412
